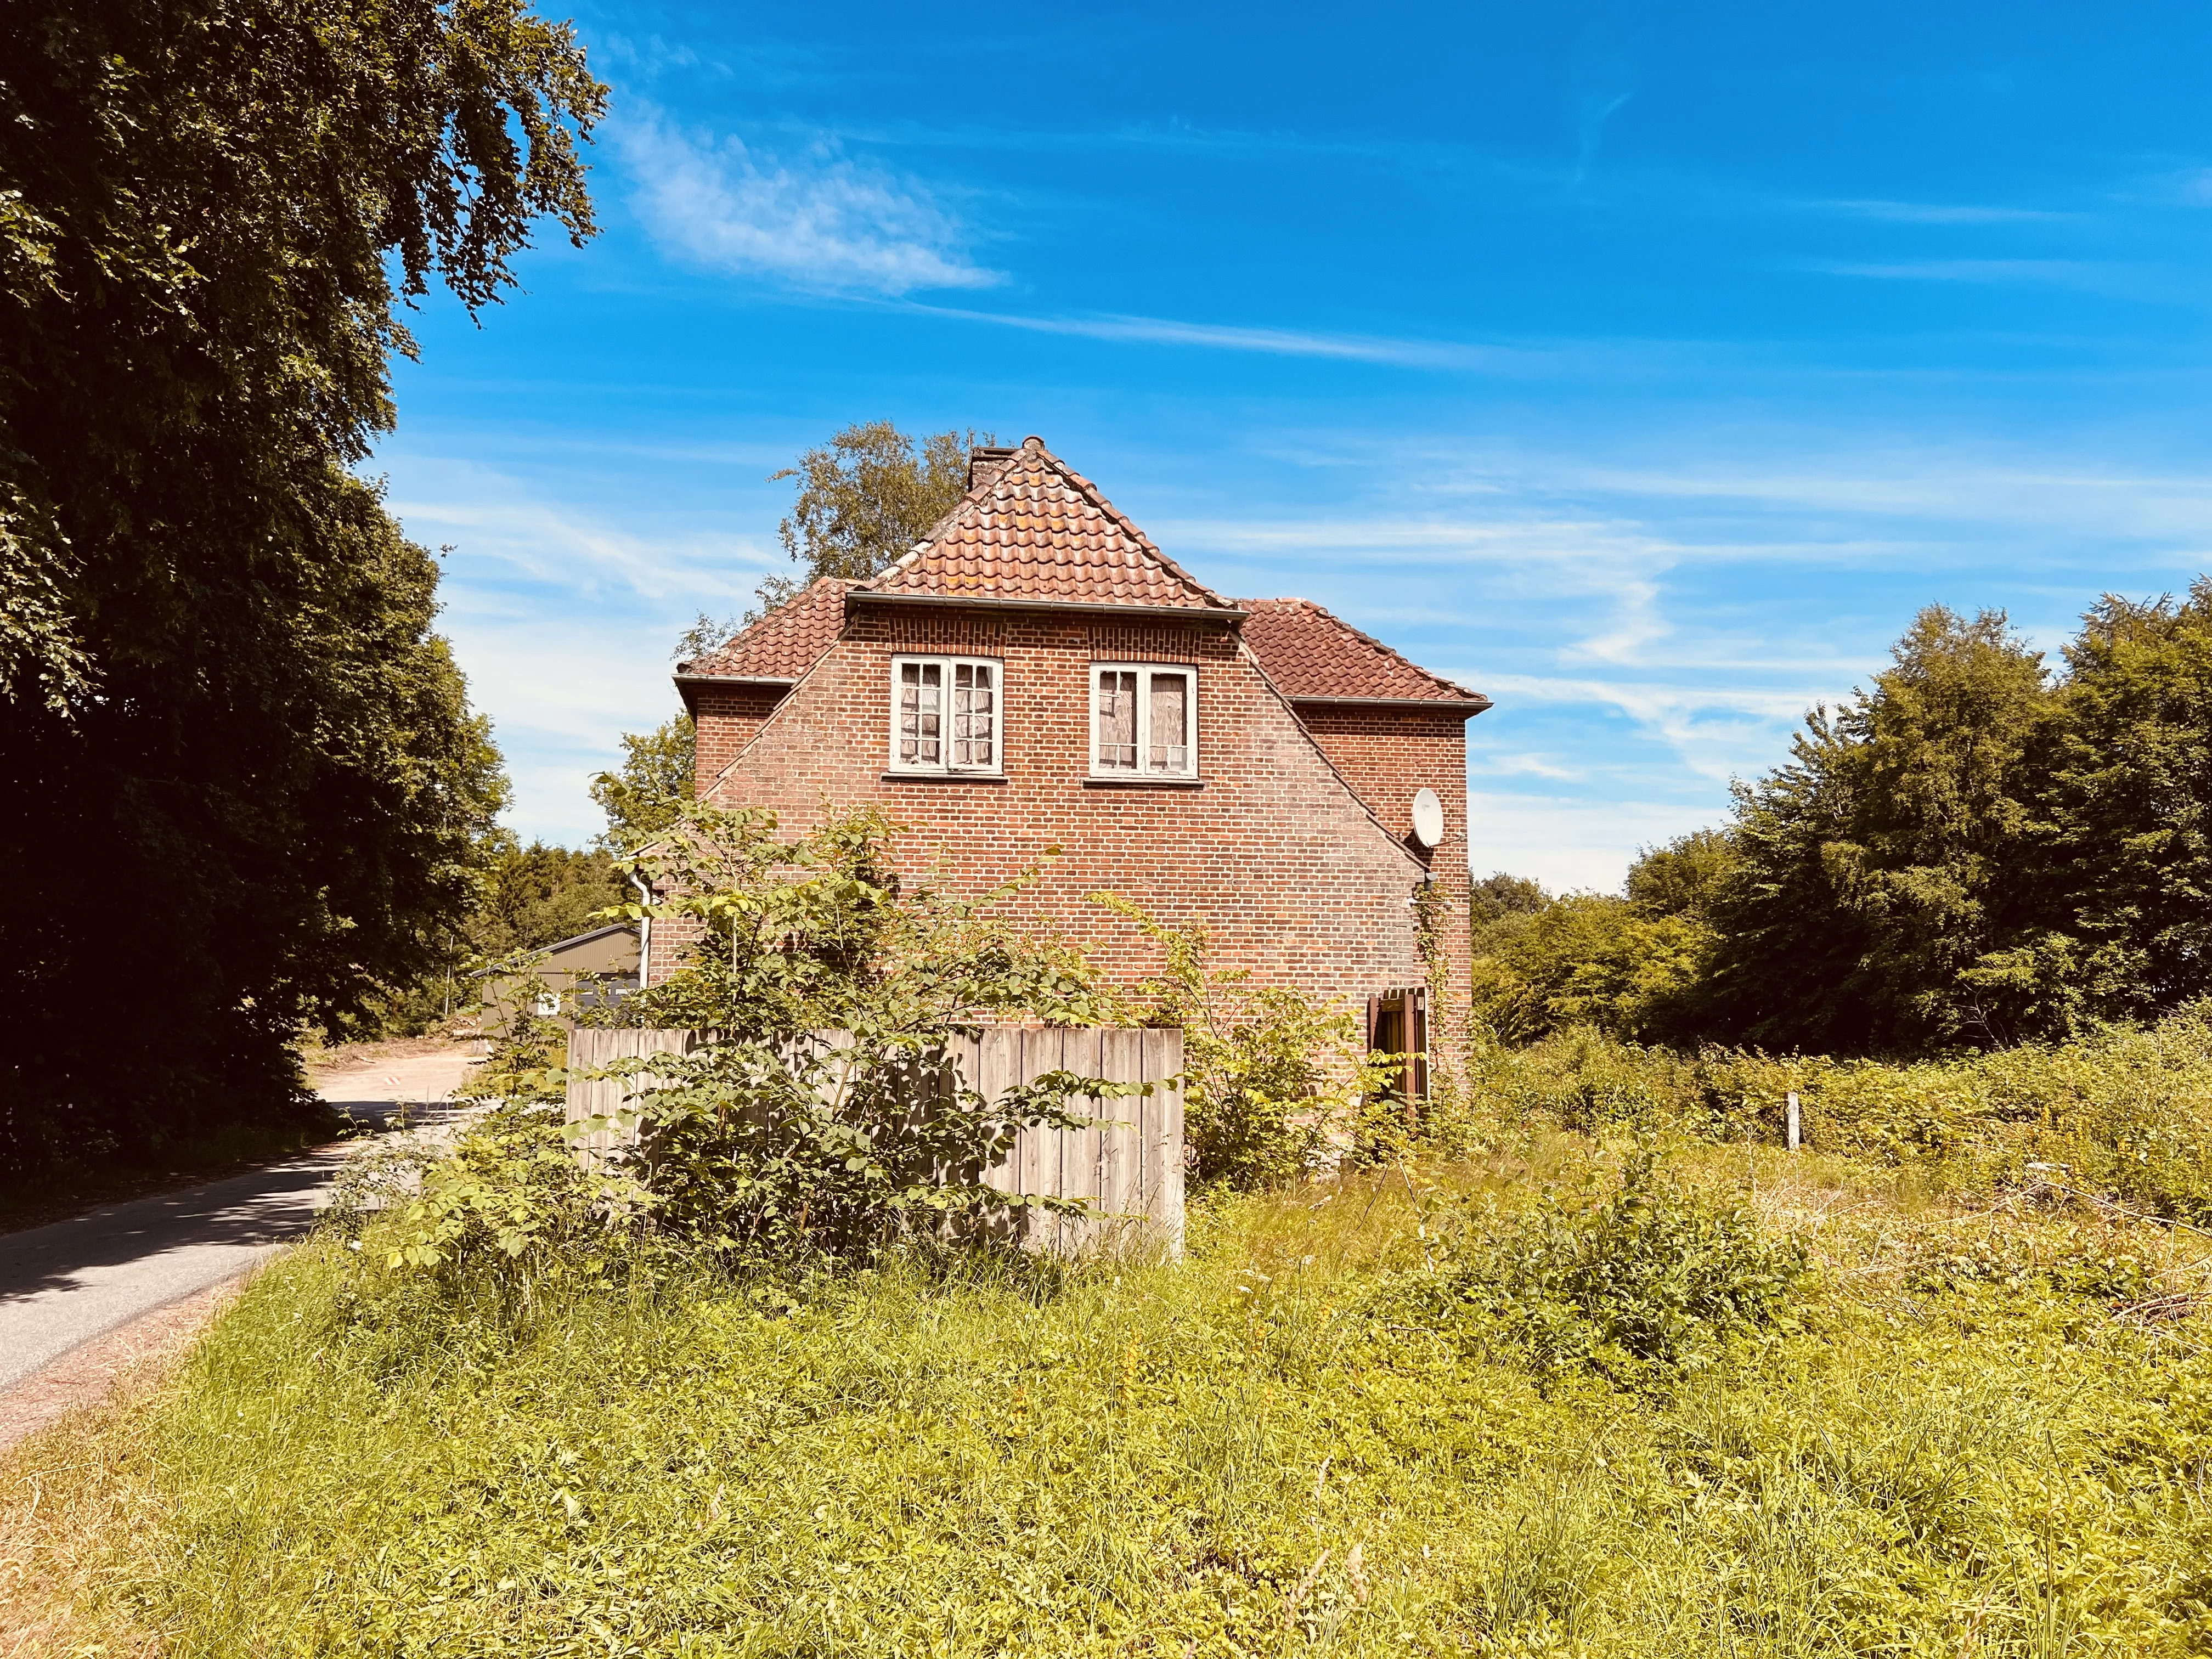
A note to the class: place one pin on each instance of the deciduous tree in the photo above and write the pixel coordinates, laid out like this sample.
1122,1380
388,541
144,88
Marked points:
865,498
242,784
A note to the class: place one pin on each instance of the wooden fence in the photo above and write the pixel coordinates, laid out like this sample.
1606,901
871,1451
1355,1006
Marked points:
1128,1169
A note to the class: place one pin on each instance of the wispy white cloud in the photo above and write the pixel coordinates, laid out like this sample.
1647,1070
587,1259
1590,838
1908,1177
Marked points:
2069,273
509,531
1275,342
1940,213
1565,842
1712,727
815,220
1525,766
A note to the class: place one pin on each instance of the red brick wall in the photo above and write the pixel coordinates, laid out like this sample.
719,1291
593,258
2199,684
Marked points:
725,718
1386,754
1273,854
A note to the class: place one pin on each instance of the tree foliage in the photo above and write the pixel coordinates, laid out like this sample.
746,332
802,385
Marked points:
244,786
646,795
537,896
865,498
1973,852
1876,865
2119,920
1590,959
769,1140
1684,877
1501,895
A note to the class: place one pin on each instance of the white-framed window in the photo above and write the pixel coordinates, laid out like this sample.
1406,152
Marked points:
946,714
1144,721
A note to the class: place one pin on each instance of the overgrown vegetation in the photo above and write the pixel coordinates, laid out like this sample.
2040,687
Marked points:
2121,1115
1276,1084
1639,1283
827,991
1955,1433
1628,1380
771,1138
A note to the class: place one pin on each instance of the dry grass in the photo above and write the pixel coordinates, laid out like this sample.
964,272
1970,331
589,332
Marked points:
75,1501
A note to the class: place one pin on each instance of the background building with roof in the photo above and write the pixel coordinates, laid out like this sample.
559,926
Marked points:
1037,673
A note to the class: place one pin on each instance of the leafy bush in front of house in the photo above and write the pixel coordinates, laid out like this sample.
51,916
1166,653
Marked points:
1275,1083
773,1138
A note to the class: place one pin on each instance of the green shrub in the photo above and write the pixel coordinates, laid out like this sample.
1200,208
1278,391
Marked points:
1650,1278
1274,1082
771,1139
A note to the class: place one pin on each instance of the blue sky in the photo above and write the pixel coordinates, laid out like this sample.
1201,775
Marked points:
1646,367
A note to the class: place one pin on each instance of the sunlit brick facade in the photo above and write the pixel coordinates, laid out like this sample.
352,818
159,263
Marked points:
1293,842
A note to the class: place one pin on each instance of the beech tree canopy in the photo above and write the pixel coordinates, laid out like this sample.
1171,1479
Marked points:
242,785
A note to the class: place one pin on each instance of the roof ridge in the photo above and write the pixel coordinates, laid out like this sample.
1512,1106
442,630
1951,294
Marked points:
993,488
1453,687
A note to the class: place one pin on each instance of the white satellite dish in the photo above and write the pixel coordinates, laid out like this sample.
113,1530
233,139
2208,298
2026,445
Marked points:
1428,817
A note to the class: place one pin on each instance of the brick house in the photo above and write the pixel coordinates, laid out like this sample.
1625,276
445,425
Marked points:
1036,673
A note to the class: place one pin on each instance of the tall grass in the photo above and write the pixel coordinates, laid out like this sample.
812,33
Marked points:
1256,1451
2126,1113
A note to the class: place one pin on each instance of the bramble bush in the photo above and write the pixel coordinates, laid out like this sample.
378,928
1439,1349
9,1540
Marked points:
774,1137
1640,1281
1276,1084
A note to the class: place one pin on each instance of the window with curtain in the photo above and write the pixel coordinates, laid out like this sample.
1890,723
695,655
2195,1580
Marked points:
1144,721
945,715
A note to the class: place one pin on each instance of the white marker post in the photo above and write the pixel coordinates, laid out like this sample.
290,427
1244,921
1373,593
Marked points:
1795,1138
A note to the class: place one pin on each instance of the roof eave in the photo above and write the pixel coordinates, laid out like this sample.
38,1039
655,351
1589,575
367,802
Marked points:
995,602
1467,706
784,680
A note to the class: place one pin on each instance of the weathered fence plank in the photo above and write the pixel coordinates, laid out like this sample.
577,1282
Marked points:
1126,1168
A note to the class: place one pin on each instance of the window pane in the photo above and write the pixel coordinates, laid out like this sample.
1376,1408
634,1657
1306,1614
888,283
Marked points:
1117,720
1169,749
921,690
972,688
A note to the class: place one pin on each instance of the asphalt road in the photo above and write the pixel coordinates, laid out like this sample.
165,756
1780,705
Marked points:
66,1283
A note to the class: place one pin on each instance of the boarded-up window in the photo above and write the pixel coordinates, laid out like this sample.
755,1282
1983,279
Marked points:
975,716
1117,720
1144,722
1167,739
945,715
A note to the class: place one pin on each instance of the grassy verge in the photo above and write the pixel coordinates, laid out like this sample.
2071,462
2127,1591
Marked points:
1981,1431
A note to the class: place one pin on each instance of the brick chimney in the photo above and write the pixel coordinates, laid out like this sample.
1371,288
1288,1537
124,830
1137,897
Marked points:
985,464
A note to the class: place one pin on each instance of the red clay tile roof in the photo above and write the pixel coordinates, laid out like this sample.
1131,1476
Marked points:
1031,527
782,644
1309,654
